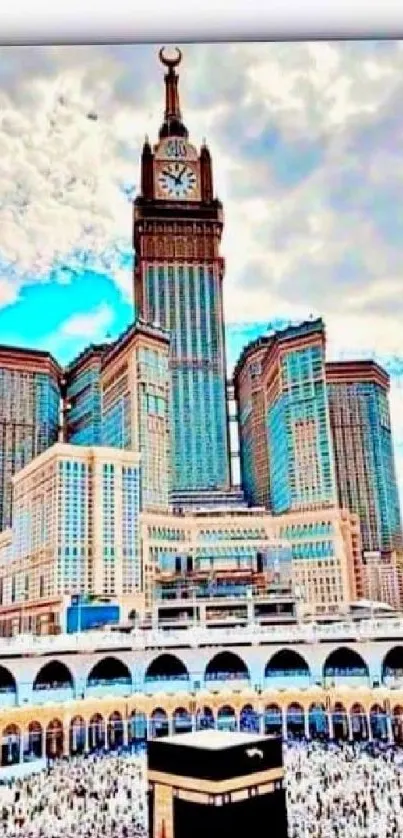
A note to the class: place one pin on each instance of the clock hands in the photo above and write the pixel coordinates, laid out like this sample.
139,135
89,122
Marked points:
180,176
176,178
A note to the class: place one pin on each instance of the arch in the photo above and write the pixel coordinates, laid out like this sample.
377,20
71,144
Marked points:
392,667
159,723
295,720
359,722
249,719
96,732
182,720
77,735
345,666
377,721
137,731
54,675
318,721
109,671
397,724
226,718
8,683
205,718
340,722
226,666
54,739
115,730
166,667
35,740
287,668
273,719
10,750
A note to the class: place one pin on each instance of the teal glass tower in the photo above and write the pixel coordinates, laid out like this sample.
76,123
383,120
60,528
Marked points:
30,400
82,397
178,285
301,459
363,446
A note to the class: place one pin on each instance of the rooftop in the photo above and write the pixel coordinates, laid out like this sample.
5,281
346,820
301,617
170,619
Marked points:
214,740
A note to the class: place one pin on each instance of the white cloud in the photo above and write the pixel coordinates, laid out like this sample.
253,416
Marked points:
9,291
79,330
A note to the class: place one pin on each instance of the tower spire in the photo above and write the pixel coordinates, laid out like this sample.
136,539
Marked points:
172,125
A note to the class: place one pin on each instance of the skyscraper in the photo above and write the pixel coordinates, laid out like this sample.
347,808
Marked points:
363,448
135,406
297,415
29,413
253,436
178,283
82,397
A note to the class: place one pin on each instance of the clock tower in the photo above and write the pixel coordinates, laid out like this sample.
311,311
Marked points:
178,284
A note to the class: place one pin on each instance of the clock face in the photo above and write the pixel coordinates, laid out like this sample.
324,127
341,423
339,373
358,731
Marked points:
177,180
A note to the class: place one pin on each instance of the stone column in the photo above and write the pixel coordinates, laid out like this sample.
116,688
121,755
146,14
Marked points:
125,733
170,725
330,724
74,738
284,724
306,724
106,738
389,729
350,727
261,721
368,718
66,741
87,738
21,748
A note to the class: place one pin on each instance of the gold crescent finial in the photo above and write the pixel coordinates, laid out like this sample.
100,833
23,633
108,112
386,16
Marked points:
170,62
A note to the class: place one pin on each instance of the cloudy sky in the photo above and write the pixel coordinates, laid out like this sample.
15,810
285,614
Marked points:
307,143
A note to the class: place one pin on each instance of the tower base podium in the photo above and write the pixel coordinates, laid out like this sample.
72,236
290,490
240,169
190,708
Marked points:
214,784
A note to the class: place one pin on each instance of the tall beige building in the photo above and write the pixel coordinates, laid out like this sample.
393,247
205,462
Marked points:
75,530
134,387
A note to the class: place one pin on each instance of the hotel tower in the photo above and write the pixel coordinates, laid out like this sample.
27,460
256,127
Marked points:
178,279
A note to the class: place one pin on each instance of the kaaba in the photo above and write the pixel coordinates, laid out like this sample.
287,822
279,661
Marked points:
210,784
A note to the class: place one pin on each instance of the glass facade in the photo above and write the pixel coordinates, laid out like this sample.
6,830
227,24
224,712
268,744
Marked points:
364,460
186,299
73,526
301,458
130,529
29,424
83,399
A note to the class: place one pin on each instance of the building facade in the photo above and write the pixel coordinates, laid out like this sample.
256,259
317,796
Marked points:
301,464
365,471
135,393
82,397
326,557
221,553
363,447
253,435
178,283
30,400
318,551
75,531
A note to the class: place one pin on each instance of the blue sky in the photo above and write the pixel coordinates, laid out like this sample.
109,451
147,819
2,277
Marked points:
306,142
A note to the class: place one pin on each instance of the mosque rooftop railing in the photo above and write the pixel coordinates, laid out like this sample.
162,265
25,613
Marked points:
91,641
